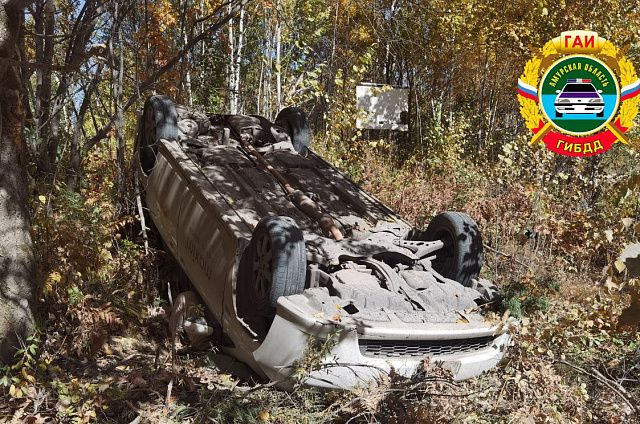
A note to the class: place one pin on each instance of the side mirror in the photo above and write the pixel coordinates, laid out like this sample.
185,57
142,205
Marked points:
558,91
599,91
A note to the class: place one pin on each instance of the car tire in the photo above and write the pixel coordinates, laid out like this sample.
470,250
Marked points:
461,257
558,115
275,264
202,121
159,121
294,121
600,114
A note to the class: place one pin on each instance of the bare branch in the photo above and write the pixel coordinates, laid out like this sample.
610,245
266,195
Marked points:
149,82
95,50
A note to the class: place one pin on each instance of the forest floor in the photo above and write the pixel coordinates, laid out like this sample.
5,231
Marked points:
561,368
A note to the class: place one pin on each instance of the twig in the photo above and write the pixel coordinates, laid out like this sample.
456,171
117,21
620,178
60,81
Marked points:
68,67
362,414
167,405
507,256
613,386
111,367
157,358
136,410
143,224
257,387
616,386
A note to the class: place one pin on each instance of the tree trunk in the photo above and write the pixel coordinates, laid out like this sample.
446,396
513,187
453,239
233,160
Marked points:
82,31
17,262
230,65
237,59
54,124
236,41
76,151
43,85
185,94
117,94
278,64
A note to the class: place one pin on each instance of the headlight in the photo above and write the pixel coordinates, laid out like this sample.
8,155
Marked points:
595,101
563,101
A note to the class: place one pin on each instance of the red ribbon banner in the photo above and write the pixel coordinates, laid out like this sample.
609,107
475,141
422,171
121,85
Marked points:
580,146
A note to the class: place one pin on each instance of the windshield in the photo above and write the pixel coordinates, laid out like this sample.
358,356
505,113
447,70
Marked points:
579,88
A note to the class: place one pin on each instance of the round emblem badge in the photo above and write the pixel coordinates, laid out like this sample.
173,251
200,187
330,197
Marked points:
579,94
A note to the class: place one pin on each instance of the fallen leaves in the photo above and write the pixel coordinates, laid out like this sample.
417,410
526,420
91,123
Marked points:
462,319
136,380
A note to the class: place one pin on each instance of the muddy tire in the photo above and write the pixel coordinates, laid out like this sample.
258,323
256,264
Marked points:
159,121
274,264
295,123
461,257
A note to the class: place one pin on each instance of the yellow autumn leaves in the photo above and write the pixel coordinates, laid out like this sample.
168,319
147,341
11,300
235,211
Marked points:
530,112
530,75
628,108
609,50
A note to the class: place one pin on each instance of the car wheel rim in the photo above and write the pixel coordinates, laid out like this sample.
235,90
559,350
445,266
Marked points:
262,267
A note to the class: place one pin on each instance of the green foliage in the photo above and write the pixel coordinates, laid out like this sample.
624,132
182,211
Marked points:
79,239
75,295
314,354
20,377
529,294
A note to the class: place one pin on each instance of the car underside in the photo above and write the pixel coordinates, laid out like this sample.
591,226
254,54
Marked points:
287,253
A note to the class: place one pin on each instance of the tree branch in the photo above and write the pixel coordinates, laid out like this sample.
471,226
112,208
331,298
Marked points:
95,50
612,385
105,130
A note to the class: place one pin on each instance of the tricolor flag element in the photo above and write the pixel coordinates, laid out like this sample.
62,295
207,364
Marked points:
527,91
630,90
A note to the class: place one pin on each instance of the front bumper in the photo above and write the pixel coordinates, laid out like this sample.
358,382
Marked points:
579,108
352,361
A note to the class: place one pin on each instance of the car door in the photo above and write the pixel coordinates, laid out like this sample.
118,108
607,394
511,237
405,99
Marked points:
165,190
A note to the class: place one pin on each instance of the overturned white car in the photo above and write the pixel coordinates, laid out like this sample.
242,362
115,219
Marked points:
282,249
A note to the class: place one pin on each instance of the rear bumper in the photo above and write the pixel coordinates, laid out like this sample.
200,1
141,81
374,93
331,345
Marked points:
348,364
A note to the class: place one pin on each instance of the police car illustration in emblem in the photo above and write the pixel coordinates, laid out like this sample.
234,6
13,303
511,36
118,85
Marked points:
579,96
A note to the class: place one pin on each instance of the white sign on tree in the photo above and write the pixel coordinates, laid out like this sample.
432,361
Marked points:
382,107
